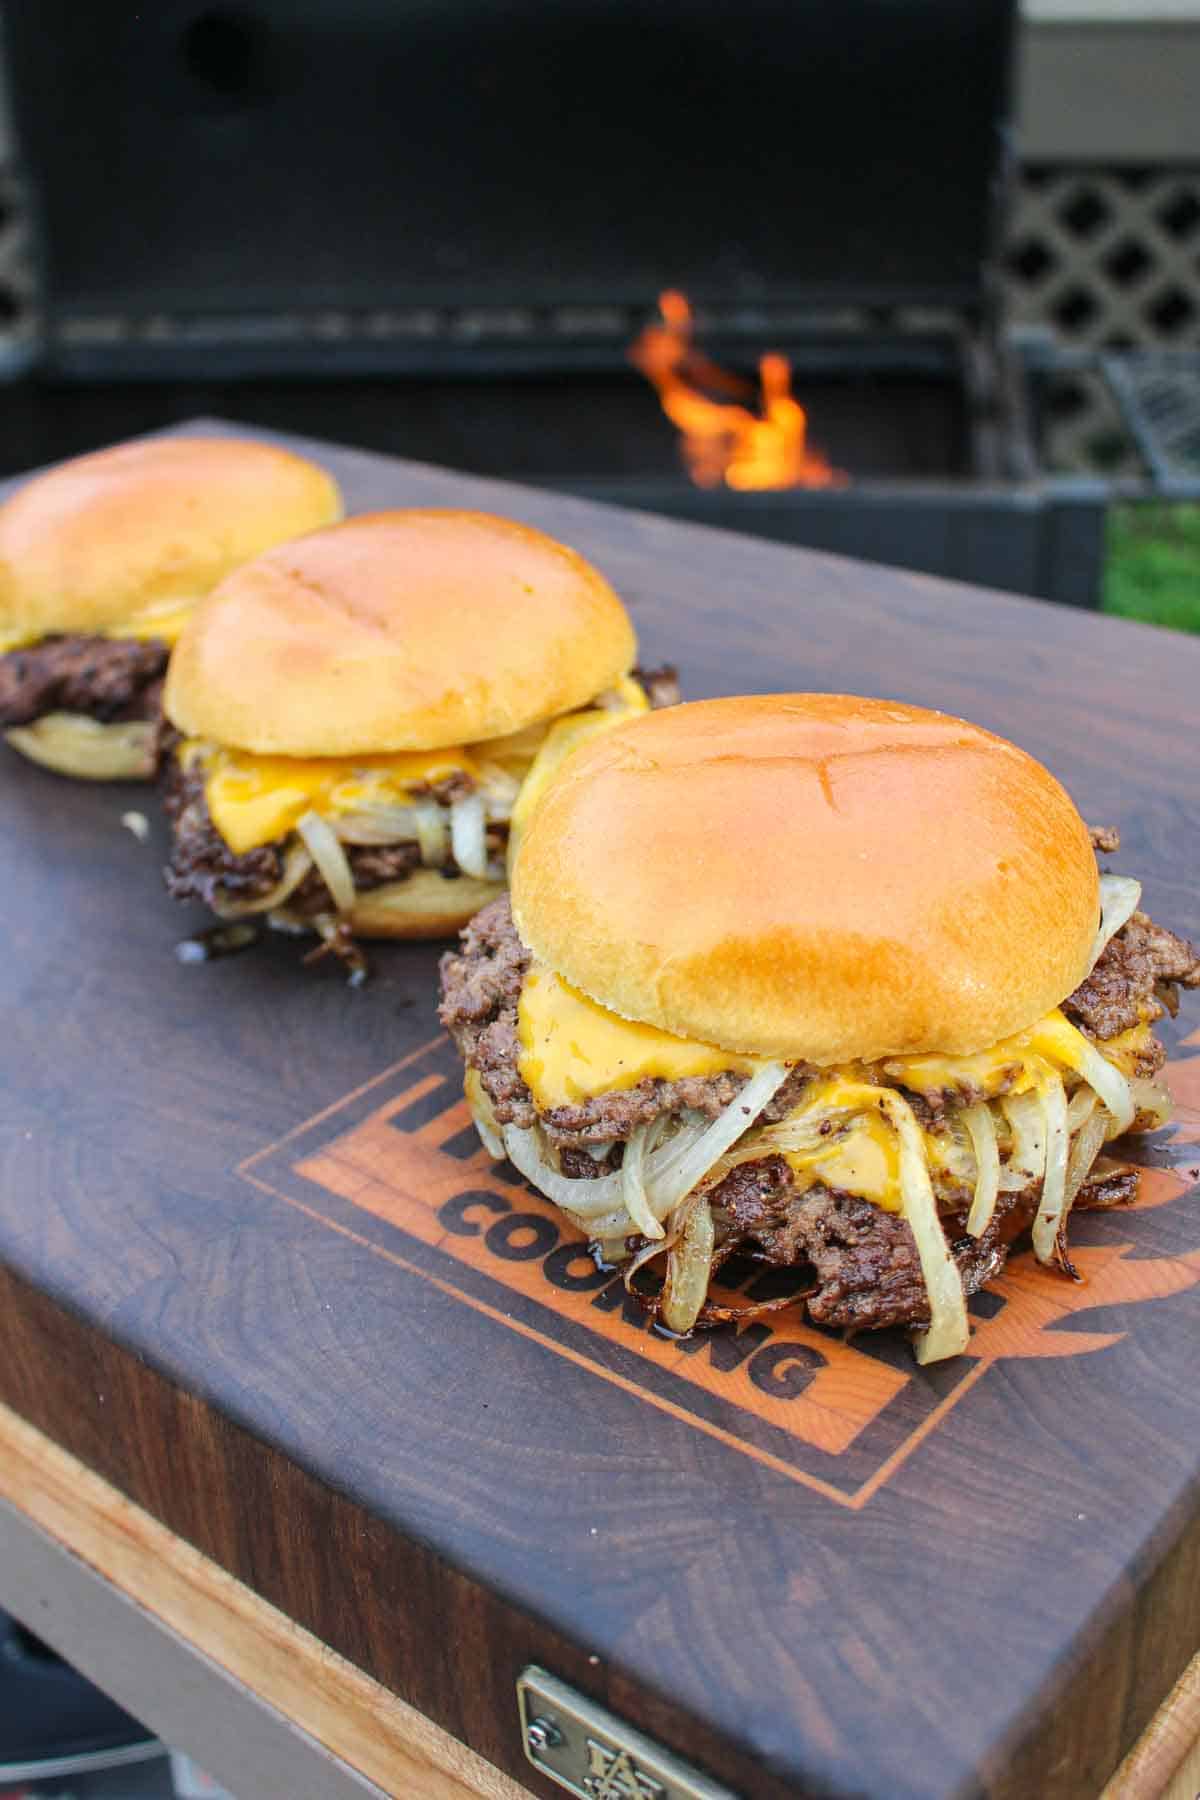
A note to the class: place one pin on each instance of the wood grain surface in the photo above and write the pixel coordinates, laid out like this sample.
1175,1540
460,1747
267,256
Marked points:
808,1567
373,1731
1164,1764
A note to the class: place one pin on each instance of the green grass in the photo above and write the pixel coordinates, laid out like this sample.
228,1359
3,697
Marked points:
1152,570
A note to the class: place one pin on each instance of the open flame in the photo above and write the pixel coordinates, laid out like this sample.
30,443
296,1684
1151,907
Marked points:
721,440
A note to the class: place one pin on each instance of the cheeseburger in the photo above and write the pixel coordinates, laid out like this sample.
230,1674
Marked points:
360,719
829,984
101,561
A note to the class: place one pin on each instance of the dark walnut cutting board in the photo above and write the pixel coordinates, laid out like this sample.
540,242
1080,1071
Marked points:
256,1272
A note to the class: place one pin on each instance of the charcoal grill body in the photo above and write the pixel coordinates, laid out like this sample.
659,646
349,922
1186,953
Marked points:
480,205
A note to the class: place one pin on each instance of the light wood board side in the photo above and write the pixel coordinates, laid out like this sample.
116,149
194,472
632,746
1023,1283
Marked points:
1164,1764
353,1717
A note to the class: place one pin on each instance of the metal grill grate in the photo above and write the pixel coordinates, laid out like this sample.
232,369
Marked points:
1107,259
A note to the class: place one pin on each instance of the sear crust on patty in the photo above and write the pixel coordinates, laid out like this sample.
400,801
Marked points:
1133,980
861,1261
110,680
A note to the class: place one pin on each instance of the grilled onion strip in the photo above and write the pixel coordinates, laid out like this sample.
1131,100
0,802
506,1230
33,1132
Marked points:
1052,1208
633,1190
433,833
949,1332
74,744
689,1270
468,834
981,1128
296,865
1119,896
320,840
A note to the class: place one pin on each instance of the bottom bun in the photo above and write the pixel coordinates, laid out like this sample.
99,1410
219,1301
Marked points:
424,905
72,744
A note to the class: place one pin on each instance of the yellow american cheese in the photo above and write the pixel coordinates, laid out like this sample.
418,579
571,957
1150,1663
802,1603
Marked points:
571,1048
1124,1050
1006,1068
863,1158
165,623
564,736
255,799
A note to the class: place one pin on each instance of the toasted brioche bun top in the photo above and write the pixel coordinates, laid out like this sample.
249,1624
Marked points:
812,877
102,538
398,631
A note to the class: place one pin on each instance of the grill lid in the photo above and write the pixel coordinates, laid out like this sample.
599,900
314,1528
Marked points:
285,153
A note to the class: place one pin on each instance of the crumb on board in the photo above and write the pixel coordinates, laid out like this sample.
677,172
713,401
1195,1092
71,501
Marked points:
138,824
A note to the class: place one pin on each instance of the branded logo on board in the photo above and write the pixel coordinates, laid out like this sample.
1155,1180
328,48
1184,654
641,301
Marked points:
399,1165
614,1775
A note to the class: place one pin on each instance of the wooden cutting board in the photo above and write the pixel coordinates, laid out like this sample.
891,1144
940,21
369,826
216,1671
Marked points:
256,1274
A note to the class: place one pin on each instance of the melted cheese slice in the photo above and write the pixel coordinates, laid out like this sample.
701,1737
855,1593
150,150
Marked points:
564,736
1125,1050
254,800
163,622
1005,1069
862,1159
572,1049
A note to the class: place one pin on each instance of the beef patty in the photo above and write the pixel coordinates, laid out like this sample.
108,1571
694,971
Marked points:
110,680
861,1262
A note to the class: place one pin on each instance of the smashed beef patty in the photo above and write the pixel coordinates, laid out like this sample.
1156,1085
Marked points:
111,680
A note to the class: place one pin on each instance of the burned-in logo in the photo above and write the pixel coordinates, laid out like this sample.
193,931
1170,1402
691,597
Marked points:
398,1163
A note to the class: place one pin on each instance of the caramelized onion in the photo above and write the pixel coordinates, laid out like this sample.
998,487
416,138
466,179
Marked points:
689,1270
948,1333
1055,1036
375,825
321,842
433,833
1119,896
499,790
1028,1160
633,1190
1081,1108
468,834
296,864
73,744
982,1130
1087,1146
586,1200
685,1168
1052,1211
1150,1097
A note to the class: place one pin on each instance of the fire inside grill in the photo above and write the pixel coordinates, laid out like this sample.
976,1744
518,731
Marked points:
722,441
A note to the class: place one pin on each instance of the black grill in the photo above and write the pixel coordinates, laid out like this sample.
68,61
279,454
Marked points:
435,230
